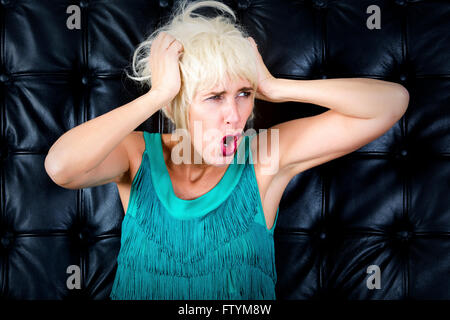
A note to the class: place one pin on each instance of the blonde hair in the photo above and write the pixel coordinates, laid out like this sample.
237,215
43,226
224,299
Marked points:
213,49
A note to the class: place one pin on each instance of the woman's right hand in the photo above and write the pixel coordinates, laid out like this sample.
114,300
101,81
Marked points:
165,53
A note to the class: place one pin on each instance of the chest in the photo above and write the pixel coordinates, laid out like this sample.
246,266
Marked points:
187,190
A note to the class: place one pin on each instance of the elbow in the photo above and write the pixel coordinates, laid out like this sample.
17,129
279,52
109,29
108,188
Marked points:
53,170
399,103
403,100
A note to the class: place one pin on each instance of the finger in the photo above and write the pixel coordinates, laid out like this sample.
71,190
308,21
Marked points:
172,41
159,41
252,41
156,43
176,47
168,40
162,41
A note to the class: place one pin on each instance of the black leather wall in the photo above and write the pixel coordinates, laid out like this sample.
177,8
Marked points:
386,204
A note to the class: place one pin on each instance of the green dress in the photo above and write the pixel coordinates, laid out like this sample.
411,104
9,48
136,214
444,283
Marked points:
214,247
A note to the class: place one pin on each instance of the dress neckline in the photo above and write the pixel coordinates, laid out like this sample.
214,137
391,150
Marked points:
194,208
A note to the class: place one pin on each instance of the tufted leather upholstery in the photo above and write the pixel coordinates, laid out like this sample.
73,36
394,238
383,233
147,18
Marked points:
385,204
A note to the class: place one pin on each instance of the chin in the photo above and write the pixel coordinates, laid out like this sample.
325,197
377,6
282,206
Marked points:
219,161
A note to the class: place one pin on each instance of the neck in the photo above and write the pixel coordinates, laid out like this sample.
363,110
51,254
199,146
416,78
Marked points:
191,171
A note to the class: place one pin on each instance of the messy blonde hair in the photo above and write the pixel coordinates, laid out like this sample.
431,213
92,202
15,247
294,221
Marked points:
213,49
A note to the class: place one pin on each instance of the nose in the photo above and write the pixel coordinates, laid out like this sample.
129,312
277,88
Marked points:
232,115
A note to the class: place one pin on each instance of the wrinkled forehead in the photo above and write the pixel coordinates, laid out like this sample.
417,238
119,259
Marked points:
225,84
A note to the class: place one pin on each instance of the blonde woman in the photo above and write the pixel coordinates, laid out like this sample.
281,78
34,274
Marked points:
198,222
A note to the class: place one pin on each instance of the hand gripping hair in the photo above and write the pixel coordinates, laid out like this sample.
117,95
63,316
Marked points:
214,48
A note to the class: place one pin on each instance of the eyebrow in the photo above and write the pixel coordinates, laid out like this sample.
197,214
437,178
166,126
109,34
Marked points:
222,92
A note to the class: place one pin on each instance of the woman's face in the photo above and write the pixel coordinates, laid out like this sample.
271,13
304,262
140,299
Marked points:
217,118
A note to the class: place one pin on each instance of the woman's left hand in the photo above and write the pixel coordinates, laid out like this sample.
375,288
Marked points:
266,82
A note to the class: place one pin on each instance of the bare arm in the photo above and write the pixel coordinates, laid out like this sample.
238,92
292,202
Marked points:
361,111
84,147
95,152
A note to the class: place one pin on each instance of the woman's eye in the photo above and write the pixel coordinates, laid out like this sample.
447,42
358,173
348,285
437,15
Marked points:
215,98
219,97
246,94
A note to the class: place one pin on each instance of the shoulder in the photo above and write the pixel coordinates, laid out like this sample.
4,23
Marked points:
263,177
271,179
264,154
135,145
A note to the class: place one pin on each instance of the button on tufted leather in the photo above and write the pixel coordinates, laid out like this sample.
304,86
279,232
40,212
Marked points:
401,152
83,238
322,235
7,240
4,77
403,77
85,80
5,2
163,3
321,73
320,4
84,3
243,4
401,2
404,235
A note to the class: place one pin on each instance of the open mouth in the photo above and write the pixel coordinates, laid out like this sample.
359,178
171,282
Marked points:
229,144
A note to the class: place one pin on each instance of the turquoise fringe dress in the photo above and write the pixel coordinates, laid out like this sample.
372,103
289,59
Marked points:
214,247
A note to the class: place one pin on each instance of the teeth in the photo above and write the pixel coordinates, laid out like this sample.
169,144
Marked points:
228,140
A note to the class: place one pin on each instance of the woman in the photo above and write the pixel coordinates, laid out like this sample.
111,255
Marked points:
198,224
